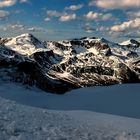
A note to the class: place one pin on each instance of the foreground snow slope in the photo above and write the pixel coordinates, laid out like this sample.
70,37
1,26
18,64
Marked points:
118,100
21,122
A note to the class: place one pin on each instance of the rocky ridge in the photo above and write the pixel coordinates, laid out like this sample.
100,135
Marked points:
59,66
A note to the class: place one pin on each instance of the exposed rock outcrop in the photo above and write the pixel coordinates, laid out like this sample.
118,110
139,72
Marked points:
64,65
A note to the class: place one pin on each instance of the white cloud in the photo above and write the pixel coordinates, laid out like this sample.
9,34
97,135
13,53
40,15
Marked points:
102,29
21,27
67,17
128,34
129,29
36,29
107,16
92,16
10,27
4,14
98,16
112,4
31,29
137,14
134,14
16,26
24,1
63,16
54,13
74,7
91,28
47,19
131,24
88,28
7,3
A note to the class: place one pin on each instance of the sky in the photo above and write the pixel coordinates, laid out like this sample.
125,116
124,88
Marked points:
115,20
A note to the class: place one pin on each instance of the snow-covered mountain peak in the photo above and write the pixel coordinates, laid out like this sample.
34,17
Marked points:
130,42
131,45
25,44
59,66
25,35
103,40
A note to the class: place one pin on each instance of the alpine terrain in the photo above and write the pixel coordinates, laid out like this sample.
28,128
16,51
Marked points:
60,66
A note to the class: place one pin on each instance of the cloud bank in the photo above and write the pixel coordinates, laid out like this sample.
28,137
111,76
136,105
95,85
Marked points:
7,3
112,4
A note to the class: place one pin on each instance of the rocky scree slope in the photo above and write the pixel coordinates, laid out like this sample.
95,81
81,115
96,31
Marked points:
59,66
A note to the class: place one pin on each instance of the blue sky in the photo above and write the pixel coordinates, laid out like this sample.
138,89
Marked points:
116,20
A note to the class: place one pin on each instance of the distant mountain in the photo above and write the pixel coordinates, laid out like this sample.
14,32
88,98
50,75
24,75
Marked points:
131,42
59,66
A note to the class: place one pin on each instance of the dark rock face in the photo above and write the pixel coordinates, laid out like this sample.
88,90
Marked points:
61,66
134,43
132,54
4,40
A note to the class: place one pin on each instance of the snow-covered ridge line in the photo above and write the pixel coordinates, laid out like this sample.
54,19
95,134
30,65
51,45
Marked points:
129,42
86,61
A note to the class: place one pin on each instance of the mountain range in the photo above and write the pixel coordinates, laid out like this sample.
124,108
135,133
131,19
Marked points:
60,66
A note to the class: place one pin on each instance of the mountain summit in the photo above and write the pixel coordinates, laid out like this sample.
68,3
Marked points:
60,66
